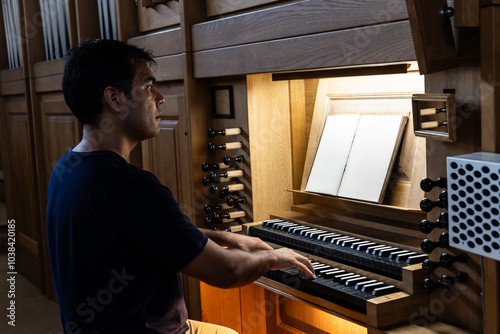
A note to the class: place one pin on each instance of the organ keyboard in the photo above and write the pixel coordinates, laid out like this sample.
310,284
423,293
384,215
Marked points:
356,276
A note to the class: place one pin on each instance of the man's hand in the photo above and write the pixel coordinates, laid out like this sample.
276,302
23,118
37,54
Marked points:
287,258
246,243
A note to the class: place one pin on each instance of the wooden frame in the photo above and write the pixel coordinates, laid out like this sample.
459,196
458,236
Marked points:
222,101
428,123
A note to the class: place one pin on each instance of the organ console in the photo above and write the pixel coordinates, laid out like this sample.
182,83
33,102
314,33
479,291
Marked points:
369,258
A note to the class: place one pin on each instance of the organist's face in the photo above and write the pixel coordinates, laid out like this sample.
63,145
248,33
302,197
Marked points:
142,109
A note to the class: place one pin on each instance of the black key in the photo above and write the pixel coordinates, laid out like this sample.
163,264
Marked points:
365,246
348,243
305,231
339,241
315,234
356,244
297,229
269,223
328,237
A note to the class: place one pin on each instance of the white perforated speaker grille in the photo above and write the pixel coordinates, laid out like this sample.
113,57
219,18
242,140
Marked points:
474,203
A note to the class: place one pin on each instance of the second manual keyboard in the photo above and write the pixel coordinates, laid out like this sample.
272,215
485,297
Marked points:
365,254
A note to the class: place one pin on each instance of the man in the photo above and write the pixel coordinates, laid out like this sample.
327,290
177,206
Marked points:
117,238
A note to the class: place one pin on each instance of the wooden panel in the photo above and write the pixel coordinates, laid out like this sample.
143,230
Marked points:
490,126
60,130
13,87
12,82
286,315
270,148
48,84
127,19
370,45
220,7
14,74
162,156
163,43
466,13
305,17
432,36
86,21
21,180
169,68
20,186
253,309
48,68
461,306
221,306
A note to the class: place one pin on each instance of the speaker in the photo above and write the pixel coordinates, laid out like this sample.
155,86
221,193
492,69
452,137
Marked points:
474,203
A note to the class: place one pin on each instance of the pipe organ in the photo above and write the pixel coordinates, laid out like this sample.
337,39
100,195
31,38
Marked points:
243,123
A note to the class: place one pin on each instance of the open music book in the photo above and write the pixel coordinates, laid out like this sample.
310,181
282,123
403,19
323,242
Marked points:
355,156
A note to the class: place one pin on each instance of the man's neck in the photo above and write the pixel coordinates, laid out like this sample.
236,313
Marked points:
96,140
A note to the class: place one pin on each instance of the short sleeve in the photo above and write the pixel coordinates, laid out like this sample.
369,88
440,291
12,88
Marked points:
149,218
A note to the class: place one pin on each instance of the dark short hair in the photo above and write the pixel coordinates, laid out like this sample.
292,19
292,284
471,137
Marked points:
94,65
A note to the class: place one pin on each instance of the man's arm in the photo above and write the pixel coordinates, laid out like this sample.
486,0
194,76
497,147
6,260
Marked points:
235,240
227,268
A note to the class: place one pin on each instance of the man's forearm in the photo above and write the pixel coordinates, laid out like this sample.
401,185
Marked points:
219,237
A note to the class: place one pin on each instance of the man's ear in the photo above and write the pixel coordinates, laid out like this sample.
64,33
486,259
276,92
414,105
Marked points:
111,98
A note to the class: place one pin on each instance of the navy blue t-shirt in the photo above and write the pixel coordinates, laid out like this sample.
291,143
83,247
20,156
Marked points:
117,239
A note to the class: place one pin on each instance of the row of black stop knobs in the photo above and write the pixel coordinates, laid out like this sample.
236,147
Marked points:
217,174
445,260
